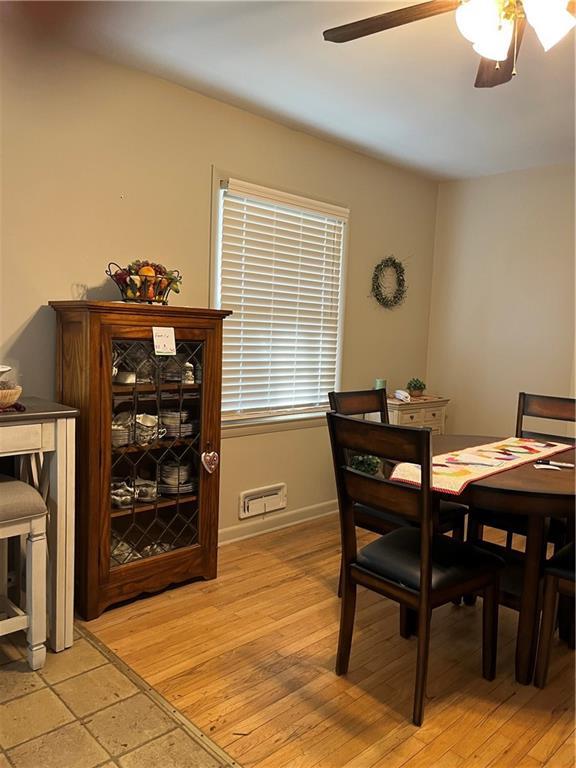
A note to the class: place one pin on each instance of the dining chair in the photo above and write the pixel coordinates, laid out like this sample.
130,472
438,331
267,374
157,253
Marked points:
557,409
451,516
361,402
558,580
535,406
411,565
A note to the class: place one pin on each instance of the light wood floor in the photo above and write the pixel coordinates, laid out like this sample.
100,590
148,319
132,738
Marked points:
249,658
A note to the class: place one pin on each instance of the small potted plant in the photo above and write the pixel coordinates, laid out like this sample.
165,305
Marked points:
369,465
415,387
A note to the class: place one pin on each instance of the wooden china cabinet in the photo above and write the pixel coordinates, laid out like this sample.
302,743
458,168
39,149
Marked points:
148,445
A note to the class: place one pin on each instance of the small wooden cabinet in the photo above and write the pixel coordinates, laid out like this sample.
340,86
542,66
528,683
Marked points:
425,411
148,445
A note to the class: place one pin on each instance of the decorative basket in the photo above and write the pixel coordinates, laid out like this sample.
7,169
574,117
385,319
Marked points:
149,289
9,396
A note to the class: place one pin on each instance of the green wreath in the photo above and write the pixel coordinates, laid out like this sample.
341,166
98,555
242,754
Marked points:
389,300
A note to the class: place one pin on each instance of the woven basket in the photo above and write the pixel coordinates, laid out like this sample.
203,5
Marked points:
149,289
9,396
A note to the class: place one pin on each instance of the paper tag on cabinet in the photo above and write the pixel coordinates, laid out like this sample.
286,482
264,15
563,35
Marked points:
164,341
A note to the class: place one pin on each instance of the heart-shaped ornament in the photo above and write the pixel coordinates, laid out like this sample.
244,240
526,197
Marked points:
210,460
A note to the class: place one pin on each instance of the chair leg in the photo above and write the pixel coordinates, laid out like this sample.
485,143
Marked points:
339,593
572,624
509,539
475,530
475,533
458,531
408,622
424,620
458,535
566,620
36,592
490,630
3,567
547,625
347,611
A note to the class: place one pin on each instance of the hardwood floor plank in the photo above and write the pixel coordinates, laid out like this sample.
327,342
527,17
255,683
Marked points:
249,658
565,756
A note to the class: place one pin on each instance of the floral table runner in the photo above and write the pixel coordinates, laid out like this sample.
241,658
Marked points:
452,472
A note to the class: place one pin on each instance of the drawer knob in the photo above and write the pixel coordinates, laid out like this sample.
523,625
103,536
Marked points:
411,417
433,415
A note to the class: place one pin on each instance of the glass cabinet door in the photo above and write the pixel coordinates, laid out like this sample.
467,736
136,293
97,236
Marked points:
155,448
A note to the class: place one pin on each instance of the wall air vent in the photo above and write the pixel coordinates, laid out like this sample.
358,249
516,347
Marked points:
260,501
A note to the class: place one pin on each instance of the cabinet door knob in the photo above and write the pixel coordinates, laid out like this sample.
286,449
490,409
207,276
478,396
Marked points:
210,460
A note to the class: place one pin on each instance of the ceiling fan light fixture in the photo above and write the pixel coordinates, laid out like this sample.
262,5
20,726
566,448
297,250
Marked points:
550,19
476,19
496,43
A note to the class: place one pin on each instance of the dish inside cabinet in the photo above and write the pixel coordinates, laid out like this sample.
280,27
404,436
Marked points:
156,440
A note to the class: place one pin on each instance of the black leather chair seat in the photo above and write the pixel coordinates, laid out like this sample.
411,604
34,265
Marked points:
451,515
396,557
562,564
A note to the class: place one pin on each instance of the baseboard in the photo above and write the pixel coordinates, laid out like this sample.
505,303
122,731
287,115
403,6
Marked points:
274,521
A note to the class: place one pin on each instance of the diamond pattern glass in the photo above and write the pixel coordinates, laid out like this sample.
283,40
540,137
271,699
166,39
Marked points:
155,449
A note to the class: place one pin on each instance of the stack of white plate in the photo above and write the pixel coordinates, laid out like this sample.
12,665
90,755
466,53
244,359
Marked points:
175,423
176,478
172,371
120,435
121,429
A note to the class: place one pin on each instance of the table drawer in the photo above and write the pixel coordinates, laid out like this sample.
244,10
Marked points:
433,415
411,418
21,438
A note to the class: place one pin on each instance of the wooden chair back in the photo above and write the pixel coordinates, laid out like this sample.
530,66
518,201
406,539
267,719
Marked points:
360,402
391,444
545,407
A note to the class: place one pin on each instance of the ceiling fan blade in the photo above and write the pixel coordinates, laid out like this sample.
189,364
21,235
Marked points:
489,75
389,20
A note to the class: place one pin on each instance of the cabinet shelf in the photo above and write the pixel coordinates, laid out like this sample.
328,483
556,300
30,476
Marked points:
128,389
158,445
143,507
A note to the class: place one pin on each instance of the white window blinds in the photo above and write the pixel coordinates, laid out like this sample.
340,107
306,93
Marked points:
279,270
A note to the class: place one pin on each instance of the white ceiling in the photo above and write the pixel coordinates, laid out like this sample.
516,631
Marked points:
405,95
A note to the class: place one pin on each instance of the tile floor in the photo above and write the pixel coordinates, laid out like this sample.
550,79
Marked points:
85,709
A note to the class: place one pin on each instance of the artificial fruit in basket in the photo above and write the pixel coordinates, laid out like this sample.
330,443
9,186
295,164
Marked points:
143,280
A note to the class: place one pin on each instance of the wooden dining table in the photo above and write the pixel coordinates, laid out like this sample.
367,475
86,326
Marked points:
536,494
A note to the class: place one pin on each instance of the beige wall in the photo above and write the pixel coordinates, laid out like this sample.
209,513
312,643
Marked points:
502,317
102,163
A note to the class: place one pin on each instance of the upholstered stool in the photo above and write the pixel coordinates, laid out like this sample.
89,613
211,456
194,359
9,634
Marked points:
23,512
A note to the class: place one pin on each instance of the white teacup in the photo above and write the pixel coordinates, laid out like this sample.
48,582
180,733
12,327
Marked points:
146,435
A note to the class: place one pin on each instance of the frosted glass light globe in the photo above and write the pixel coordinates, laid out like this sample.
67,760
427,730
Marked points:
496,43
477,18
550,20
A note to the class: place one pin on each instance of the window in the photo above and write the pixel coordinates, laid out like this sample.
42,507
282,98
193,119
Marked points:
279,269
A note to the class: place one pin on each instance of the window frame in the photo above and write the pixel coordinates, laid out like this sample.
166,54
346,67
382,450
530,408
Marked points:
283,419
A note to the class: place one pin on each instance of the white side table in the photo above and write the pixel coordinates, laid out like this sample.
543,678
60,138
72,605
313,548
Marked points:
43,437
425,411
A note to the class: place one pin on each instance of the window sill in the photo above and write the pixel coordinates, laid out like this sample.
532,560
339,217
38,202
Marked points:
267,424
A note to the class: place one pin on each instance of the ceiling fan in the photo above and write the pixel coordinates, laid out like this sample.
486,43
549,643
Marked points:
495,27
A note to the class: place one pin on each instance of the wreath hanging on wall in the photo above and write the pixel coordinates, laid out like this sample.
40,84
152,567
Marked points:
389,282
